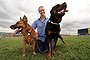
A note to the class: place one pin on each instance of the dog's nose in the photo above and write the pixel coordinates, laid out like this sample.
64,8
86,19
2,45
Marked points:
12,27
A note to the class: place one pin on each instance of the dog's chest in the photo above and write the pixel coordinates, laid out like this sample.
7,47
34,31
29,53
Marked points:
53,27
29,39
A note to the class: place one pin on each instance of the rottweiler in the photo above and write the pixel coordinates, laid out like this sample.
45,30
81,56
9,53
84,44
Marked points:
29,34
53,27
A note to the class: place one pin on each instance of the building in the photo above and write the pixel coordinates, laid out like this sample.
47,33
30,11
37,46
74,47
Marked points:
85,31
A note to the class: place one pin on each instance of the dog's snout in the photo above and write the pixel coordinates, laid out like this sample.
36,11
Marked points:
12,26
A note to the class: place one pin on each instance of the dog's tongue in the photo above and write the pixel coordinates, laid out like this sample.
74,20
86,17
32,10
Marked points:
63,11
15,32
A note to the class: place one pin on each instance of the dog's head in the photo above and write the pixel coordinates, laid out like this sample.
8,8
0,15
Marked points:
22,23
57,12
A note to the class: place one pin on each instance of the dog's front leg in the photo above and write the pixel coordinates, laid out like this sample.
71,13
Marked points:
49,50
23,47
53,48
33,48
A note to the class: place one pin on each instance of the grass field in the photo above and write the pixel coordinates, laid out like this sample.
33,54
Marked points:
76,48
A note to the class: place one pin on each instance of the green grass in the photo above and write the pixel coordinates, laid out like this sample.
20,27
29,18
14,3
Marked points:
76,48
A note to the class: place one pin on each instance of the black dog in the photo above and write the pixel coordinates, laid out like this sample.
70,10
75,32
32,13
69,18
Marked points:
53,27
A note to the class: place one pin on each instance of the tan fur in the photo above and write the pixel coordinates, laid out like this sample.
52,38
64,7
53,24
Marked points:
29,34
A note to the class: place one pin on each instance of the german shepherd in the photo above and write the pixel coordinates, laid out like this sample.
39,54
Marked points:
29,34
53,27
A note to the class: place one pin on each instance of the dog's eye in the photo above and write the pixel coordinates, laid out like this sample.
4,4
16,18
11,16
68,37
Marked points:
17,23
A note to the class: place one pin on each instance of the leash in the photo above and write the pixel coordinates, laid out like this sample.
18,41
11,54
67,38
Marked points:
38,47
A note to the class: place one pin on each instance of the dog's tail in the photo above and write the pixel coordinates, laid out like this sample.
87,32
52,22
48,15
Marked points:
61,38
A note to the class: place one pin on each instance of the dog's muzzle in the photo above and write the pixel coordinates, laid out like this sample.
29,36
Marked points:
18,29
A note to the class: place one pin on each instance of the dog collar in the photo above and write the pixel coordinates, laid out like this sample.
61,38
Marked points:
54,23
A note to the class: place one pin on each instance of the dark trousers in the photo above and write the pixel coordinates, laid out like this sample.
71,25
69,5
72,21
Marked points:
41,46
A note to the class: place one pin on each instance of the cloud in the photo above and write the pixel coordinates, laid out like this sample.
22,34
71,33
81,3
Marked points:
77,17
3,11
71,27
5,23
12,10
25,6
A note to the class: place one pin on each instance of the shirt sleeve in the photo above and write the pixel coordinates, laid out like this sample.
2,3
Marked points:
34,24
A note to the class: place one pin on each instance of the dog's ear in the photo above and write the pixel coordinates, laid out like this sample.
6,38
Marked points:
24,18
53,10
20,18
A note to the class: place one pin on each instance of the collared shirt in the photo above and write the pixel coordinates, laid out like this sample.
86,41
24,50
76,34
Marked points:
40,25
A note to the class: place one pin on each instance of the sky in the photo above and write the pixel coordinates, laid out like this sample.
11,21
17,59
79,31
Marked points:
77,17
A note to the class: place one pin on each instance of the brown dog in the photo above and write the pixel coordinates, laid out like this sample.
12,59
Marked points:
29,34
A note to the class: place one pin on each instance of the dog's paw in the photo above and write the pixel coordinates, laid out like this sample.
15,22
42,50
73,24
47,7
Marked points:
53,52
48,55
23,55
34,53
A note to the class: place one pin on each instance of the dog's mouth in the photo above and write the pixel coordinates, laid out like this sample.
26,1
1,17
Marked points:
18,30
62,11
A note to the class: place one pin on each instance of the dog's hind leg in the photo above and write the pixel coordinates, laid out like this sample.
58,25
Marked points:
61,38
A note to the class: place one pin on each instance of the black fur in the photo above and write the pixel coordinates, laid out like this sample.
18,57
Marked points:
53,26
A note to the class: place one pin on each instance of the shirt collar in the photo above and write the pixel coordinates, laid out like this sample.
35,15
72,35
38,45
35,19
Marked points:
44,19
